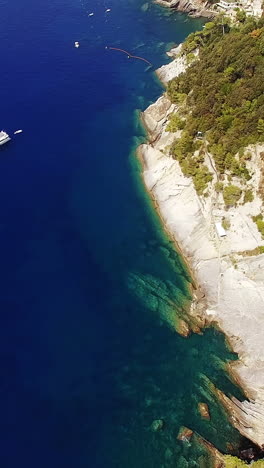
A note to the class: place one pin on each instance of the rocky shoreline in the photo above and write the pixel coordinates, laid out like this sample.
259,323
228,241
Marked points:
231,281
194,8
206,9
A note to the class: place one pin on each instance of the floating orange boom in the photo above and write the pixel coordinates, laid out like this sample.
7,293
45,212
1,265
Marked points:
130,55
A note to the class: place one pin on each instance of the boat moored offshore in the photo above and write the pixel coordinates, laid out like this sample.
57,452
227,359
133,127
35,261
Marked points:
4,137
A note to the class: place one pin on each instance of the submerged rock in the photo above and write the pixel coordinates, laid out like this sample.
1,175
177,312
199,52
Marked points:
182,462
204,410
184,434
157,425
182,328
216,458
145,7
196,329
168,453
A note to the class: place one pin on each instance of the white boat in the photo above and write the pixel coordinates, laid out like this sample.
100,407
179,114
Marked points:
108,9
76,44
18,131
4,137
91,14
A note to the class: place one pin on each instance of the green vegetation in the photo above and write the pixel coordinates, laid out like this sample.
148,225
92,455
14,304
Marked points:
231,194
201,179
175,123
199,38
234,462
260,127
226,224
241,16
249,253
248,196
183,150
176,97
260,225
259,222
219,187
261,185
224,94
190,57
257,217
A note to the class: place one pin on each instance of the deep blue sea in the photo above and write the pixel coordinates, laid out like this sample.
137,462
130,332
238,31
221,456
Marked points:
89,281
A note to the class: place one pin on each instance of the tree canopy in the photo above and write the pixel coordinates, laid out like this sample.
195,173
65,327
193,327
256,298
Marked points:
224,91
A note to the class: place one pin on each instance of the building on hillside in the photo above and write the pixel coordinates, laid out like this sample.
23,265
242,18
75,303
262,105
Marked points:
220,230
231,5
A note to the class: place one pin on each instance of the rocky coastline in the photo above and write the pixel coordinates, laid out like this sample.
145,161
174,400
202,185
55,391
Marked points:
194,8
206,9
230,281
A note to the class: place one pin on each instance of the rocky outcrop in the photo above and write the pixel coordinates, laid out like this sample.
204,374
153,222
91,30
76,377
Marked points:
185,434
204,410
157,425
193,7
233,284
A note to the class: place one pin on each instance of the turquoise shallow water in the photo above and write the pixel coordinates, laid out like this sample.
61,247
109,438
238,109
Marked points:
89,280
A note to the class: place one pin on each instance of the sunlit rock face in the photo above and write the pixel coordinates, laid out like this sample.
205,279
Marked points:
193,7
233,283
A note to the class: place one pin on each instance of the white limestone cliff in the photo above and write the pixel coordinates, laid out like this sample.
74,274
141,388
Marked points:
233,283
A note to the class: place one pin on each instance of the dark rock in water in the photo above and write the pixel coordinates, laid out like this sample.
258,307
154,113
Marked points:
185,434
252,453
157,425
248,454
249,451
204,411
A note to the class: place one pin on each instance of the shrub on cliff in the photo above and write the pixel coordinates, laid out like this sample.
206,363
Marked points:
234,462
183,146
257,217
183,150
219,187
174,95
260,225
175,123
248,196
241,16
201,179
231,194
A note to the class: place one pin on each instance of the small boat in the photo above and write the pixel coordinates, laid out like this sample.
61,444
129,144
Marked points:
18,131
4,137
76,44
108,9
91,14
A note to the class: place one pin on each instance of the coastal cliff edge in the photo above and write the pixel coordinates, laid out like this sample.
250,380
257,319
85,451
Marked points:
231,280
